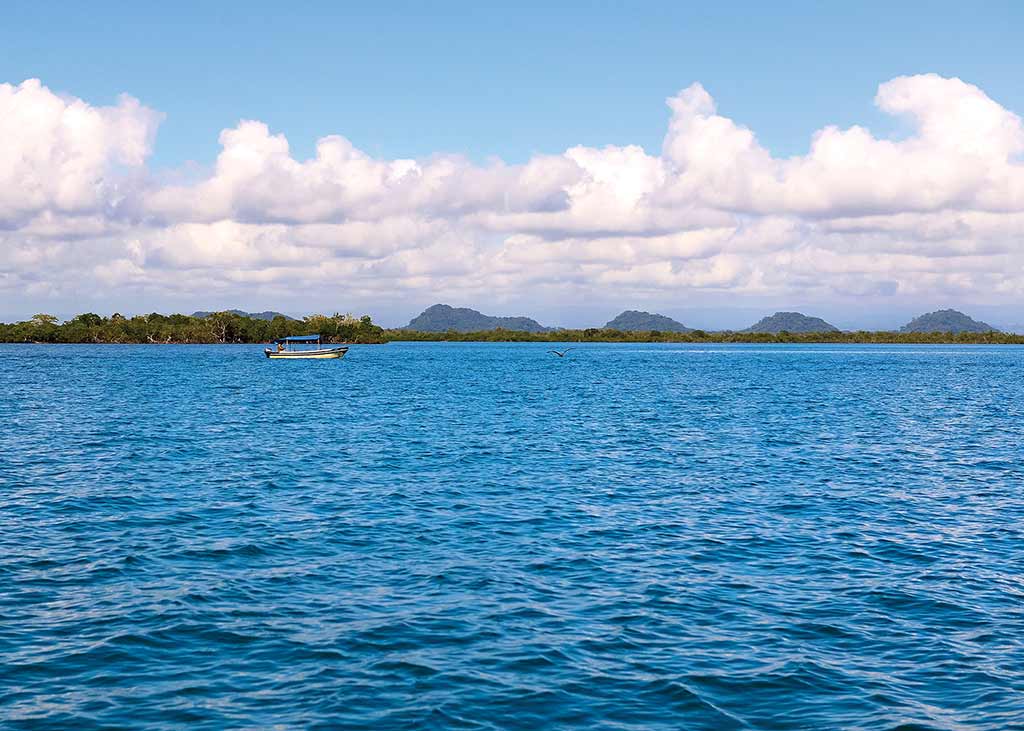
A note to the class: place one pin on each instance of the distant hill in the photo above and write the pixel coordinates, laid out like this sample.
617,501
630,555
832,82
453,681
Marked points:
946,321
635,320
793,322
268,315
442,318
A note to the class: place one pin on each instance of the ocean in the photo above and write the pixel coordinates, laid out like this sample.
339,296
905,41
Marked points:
486,536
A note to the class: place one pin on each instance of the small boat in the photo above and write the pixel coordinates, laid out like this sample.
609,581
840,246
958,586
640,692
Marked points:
285,349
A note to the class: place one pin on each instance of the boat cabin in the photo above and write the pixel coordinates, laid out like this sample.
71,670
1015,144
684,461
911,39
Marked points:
298,340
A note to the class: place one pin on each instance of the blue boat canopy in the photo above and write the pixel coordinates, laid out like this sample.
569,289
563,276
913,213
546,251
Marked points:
299,339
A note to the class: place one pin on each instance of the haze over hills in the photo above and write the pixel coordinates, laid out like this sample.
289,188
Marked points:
441,318
951,321
794,322
266,315
636,320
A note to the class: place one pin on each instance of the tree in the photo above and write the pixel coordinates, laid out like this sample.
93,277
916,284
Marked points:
43,328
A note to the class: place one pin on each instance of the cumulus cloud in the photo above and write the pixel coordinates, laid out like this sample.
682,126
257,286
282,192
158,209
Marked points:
60,155
939,211
256,179
962,156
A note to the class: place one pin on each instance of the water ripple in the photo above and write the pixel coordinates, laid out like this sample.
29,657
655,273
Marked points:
478,536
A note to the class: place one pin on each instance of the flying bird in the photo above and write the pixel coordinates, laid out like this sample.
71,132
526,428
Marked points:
560,354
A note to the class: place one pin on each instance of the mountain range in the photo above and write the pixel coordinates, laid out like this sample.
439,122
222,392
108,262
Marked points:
441,318
267,315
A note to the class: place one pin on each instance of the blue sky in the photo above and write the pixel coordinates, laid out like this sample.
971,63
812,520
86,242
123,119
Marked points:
859,161
411,79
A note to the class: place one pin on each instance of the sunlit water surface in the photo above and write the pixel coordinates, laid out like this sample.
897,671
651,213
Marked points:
485,536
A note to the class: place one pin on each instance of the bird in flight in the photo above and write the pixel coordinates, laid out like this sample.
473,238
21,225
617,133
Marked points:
560,354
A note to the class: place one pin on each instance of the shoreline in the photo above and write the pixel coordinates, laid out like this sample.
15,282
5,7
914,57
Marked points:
730,339
723,338
230,328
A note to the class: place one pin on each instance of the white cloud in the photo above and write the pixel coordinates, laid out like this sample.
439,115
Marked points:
61,155
938,212
961,157
257,180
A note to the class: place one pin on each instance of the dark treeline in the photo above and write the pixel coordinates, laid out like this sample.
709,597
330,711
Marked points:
218,327
229,327
605,335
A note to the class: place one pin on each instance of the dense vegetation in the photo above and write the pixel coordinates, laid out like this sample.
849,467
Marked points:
218,327
605,335
229,327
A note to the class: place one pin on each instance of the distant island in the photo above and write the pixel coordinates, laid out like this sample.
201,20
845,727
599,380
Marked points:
231,327
267,315
946,321
442,318
792,322
637,321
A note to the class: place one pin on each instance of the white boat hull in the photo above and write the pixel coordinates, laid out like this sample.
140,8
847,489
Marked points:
321,354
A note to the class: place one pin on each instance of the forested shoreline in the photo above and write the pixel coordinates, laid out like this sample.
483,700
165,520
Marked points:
217,327
230,327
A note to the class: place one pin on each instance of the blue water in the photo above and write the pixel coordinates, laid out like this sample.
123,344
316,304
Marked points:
484,536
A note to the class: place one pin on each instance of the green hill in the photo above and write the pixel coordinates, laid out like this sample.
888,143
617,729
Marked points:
637,321
793,322
442,318
946,321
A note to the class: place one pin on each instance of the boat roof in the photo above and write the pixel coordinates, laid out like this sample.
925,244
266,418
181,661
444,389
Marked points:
299,339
